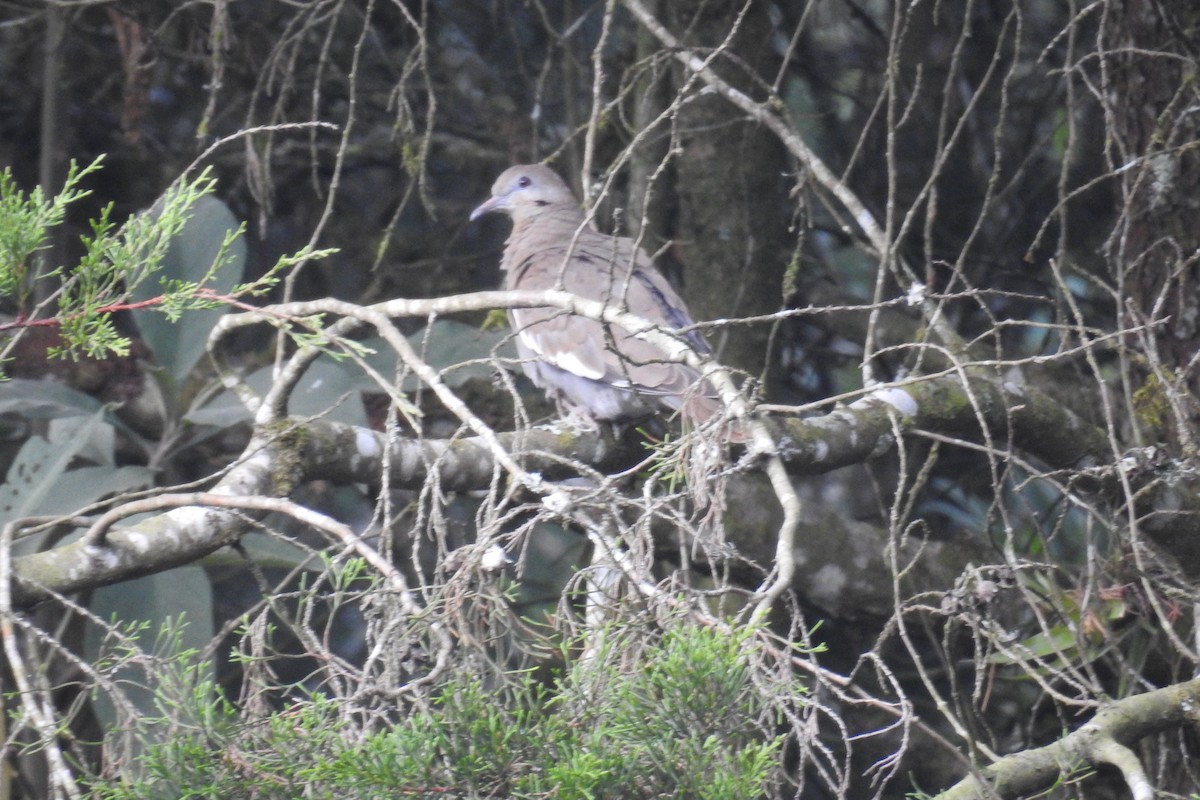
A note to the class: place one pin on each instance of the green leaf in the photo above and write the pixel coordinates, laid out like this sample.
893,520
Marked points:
1059,639
80,487
178,344
33,477
39,482
458,351
161,601
270,552
326,390
25,220
44,399
553,556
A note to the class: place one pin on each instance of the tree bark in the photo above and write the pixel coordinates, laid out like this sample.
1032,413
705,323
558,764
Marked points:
732,185
1153,48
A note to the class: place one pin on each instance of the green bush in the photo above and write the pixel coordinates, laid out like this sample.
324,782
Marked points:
679,718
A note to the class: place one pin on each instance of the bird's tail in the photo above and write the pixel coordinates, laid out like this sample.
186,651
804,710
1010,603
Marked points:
699,407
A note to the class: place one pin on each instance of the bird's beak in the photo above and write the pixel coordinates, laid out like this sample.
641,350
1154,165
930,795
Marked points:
489,205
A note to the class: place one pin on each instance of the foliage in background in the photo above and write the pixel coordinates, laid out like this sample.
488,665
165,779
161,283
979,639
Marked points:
25,221
1030,166
122,266
673,716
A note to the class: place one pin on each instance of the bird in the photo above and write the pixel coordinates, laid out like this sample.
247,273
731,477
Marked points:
600,371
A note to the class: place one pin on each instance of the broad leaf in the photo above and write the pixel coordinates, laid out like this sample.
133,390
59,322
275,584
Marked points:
39,482
326,390
34,474
43,399
459,352
161,601
178,345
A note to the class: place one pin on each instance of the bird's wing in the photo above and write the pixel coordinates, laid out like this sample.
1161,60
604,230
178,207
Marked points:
607,269
567,341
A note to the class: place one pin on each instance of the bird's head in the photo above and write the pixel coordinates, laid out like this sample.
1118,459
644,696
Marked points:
526,190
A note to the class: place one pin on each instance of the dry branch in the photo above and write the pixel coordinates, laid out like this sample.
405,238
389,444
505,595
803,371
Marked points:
1104,740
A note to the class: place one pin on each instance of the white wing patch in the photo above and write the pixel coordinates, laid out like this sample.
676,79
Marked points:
565,360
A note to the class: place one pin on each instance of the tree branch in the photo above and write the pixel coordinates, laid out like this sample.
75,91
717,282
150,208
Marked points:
758,111
279,458
1104,740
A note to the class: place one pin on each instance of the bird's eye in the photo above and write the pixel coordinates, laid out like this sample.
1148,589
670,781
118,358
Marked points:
524,182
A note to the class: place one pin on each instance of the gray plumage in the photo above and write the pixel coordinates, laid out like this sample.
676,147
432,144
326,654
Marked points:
602,370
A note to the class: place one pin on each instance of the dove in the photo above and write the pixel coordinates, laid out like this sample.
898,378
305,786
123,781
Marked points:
602,371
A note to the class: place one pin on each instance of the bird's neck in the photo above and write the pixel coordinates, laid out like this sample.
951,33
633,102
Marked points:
553,220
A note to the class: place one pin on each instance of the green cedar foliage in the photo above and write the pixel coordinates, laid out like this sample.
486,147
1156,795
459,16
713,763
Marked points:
677,718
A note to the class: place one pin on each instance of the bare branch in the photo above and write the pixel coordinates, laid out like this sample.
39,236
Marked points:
1104,740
